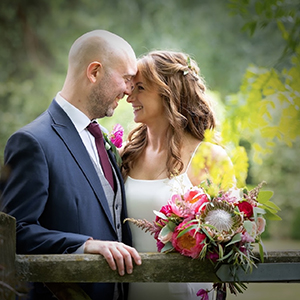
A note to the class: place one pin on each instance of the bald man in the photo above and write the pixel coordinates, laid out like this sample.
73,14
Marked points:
57,190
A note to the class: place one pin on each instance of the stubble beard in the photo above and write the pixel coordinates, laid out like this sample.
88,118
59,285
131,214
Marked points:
99,107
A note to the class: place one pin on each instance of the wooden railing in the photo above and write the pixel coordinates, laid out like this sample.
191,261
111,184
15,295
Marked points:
278,266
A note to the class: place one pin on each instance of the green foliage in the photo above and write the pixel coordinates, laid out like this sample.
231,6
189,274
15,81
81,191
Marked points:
36,36
283,14
295,232
267,106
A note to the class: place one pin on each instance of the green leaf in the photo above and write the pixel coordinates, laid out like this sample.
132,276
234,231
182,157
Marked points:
272,205
271,216
261,252
171,225
236,238
221,252
187,229
248,226
167,248
165,230
226,256
208,235
264,196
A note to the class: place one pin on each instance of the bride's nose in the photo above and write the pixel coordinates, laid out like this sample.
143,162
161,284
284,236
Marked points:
130,97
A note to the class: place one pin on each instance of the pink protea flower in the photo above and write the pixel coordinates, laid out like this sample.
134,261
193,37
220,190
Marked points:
116,135
189,244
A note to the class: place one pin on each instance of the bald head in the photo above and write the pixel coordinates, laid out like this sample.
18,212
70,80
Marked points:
101,66
98,45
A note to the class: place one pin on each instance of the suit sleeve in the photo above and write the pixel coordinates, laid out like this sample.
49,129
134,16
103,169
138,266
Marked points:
25,197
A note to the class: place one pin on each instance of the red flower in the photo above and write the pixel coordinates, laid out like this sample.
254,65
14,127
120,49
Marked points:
189,244
159,245
214,256
246,208
166,210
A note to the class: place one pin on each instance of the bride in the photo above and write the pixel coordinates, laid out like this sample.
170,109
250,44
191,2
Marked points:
161,155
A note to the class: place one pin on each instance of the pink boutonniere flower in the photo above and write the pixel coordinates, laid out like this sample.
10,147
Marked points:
114,140
116,135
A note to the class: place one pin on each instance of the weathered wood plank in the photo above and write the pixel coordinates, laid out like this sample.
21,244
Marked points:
156,267
7,256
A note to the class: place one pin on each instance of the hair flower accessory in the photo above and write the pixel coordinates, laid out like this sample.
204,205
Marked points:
222,227
114,140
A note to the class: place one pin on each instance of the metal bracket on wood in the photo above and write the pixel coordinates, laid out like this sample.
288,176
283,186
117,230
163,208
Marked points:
265,272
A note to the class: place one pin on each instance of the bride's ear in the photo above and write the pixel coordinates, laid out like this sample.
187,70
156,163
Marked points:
94,71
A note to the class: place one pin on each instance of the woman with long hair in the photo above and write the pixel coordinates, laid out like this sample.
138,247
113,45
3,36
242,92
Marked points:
162,153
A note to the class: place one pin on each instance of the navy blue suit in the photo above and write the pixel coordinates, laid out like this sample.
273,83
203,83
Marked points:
54,192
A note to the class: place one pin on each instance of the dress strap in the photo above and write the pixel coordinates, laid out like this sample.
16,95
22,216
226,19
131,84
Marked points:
192,157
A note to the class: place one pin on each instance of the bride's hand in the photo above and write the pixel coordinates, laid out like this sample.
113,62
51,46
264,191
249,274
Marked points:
118,255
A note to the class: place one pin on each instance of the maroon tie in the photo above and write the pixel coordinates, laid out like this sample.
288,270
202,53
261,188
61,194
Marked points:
95,130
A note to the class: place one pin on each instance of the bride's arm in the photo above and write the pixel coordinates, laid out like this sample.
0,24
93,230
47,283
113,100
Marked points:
212,162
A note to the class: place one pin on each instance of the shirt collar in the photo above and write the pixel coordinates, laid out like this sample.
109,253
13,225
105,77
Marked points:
79,119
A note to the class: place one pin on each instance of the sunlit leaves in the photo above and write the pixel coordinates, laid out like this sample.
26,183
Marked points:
268,105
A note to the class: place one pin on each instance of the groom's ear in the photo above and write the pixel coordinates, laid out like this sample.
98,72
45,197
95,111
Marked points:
94,71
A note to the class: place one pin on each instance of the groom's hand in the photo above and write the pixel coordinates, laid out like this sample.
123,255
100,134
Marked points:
118,255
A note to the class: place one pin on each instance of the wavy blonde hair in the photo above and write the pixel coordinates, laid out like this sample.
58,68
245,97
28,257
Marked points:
182,89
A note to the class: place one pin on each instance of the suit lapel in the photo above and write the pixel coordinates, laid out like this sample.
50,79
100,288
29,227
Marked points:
64,127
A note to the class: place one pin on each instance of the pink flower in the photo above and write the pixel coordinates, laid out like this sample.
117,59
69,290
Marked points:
203,294
189,244
159,245
214,256
197,199
247,238
260,223
166,210
165,238
178,206
116,136
193,194
234,195
246,208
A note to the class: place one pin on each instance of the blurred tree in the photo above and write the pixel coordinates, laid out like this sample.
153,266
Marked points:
266,110
36,35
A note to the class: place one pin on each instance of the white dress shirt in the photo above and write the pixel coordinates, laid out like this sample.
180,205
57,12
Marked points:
80,121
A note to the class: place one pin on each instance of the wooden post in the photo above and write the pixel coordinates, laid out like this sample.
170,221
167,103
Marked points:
7,256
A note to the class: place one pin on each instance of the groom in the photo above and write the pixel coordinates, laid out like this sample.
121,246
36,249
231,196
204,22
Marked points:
57,189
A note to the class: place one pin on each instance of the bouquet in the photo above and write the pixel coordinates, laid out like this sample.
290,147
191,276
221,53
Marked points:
208,223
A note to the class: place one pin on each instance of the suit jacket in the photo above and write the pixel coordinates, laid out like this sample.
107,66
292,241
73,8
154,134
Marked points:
54,192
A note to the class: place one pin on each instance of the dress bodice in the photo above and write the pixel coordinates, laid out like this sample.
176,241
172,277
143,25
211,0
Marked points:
144,196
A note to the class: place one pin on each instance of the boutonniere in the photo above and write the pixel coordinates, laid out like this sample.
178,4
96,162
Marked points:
114,140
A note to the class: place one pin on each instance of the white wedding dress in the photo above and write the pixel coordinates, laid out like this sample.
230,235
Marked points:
144,196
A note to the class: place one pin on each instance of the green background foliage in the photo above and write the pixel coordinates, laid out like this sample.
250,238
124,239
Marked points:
247,50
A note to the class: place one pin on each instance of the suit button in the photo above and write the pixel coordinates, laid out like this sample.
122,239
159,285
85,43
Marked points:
118,226
117,206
